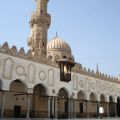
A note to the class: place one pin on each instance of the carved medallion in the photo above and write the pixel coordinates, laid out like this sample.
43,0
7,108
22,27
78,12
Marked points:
20,70
42,75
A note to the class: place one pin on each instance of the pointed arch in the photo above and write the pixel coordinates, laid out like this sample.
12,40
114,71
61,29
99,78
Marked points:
111,99
18,86
93,97
111,106
81,95
63,93
118,106
102,98
39,89
40,101
42,86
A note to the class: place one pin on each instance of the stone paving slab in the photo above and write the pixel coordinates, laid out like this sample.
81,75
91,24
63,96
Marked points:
58,119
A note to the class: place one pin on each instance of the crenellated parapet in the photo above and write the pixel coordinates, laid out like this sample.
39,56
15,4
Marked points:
83,70
13,51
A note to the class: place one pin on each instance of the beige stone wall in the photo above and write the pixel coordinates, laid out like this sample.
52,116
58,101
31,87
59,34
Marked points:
49,77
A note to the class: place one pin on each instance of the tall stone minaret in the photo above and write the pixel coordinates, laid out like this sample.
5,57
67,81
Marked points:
39,24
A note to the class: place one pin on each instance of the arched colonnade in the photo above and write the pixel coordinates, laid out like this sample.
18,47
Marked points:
19,101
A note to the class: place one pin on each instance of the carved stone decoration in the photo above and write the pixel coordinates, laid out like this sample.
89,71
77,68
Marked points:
7,69
75,82
42,75
31,73
20,70
115,89
107,89
81,83
111,89
103,87
98,86
51,77
87,84
92,86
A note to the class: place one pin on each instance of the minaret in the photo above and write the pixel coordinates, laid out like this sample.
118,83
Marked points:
97,68
39,24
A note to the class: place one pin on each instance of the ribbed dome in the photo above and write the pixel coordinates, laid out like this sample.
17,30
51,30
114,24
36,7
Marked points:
59,45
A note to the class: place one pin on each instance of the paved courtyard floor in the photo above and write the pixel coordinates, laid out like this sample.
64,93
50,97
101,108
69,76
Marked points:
59,119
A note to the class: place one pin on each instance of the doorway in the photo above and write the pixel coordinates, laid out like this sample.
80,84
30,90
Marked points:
17,111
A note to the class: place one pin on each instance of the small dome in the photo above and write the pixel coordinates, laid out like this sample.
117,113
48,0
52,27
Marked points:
59,45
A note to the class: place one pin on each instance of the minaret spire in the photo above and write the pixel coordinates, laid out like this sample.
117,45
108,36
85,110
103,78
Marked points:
97,68
39,24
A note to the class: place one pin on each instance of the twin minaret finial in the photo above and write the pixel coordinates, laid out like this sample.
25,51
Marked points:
39,24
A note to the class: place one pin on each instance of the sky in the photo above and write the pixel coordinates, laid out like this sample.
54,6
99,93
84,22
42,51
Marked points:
90,27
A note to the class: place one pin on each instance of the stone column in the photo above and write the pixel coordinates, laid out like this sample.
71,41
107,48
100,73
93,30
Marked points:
107,109
72,108
115,109
56,107
53,107
74,111
87,112
49,106
98,105
69,108
28,106
2,105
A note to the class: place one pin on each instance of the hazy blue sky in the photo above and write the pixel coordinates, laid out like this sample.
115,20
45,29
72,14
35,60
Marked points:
91,27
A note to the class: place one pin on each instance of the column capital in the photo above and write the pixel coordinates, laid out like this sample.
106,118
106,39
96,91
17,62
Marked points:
29,90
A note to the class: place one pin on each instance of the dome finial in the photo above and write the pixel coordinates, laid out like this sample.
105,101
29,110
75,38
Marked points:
56,35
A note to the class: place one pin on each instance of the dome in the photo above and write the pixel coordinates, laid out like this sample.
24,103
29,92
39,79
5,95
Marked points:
58,44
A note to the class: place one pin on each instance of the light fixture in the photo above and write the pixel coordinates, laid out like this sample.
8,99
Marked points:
65,69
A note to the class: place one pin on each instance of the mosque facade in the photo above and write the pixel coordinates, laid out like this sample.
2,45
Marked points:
31,86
